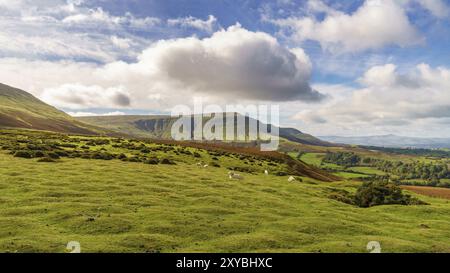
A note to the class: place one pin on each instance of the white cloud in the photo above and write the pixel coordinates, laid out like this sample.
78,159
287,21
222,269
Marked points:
68,30
76,96
437,7
122,43
389,100
205,25
90,114
99,16
233,64
369,27
380,76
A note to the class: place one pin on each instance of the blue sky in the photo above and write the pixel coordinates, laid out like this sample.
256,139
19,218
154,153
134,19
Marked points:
359,67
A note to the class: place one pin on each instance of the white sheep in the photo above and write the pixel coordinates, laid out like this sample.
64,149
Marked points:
291,179
235,176
206,166
266,172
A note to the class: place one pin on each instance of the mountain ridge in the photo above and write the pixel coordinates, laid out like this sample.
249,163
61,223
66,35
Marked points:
159,126
20,109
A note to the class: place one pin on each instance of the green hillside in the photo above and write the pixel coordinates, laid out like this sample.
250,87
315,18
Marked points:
19,109
124,195
159,126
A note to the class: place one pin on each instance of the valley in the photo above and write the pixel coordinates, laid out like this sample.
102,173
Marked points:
119,184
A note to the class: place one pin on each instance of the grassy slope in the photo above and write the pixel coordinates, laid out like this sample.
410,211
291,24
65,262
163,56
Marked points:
20,109
160,126
127,124
140,208
112,206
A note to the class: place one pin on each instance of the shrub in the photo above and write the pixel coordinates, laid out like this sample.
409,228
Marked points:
214,164
152,161
67,145
75,154
39,154
342,196
86,156
167,161
53,155
61,153
46,159
102,156
377,193
23,154
121,156
241,169
133,159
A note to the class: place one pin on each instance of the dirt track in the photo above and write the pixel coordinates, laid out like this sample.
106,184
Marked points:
429,191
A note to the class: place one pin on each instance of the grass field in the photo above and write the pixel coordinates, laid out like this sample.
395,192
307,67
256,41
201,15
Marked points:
350,175
116,206
367,170
312,158
119,206
315,159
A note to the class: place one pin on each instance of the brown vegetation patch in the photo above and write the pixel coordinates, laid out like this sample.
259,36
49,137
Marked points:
429,191
297,167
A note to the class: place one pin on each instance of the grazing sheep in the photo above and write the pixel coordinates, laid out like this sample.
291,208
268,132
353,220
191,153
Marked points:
235,176
199,164
206,166
291,179
266,172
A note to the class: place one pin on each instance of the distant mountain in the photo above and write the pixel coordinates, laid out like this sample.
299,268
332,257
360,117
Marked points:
392,141
19,109
160,127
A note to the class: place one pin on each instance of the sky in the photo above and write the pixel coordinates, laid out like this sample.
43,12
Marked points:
348,68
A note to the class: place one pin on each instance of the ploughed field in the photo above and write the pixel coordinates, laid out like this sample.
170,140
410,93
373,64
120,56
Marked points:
118,195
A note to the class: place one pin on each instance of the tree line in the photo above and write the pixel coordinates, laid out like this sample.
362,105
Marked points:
403,170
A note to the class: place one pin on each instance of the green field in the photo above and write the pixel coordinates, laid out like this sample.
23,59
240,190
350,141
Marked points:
313,158
350,175
122,206
367,170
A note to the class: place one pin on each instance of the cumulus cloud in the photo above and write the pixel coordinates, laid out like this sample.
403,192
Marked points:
369,27
231,65
389,99
386,76
234,63
437,7
192,22
76,96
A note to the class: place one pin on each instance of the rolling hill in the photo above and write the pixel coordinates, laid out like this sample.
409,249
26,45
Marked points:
159,127
19,109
